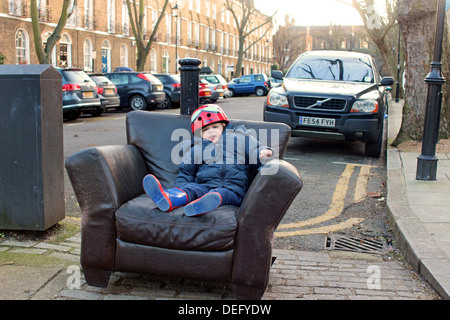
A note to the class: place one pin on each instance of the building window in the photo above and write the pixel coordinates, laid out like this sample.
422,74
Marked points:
165,62
87,55
15,7
125,19
153,61
111,12
168,28
123,55
22,47
364,43
74,19
65,51
89,14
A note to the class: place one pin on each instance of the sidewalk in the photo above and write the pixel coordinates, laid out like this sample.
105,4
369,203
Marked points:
295,275
419,211
46,270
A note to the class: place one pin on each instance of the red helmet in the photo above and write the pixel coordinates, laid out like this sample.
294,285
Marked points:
207,114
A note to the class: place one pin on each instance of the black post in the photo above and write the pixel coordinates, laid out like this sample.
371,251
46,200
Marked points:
427,161
398,68
189,70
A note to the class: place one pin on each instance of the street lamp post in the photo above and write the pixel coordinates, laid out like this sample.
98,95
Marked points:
427,161
175,10
398,69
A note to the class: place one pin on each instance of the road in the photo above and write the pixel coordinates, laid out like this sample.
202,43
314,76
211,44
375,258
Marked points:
343,191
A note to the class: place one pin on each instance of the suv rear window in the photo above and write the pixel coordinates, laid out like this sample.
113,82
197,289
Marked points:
75,75
101,79
259,78
211,79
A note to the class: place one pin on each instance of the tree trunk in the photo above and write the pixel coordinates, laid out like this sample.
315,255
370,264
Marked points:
417,20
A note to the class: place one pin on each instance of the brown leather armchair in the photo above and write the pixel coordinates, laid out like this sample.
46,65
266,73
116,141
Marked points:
123,230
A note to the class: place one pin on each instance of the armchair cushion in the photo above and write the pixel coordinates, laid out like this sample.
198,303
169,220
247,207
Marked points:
140,221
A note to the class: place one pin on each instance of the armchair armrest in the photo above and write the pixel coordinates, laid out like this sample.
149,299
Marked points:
103,178
267,200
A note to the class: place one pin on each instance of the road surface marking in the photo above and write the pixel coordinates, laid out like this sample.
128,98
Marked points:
336,207
325,229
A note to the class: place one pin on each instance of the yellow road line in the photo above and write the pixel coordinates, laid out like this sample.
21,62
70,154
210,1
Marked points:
326,229
336,206
361,184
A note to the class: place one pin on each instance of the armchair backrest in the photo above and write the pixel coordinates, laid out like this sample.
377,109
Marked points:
153,133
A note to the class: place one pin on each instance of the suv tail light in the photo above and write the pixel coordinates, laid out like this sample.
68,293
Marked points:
70,87
142,76
265,84
99,90
176,85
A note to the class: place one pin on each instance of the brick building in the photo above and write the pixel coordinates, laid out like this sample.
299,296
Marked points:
98,36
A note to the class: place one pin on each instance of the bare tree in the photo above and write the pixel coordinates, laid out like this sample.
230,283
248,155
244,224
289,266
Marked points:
243,16
288,43
136,13
44,52
379,28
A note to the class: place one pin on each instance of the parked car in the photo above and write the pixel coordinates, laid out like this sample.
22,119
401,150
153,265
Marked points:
204,92
137,90
107,92
79,94
334,95
248,84
218,86
172,85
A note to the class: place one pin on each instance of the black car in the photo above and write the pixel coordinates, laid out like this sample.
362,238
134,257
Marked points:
107,92
79,94
172,85
137,90
334,95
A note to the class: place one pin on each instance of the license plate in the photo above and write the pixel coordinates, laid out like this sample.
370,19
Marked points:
319,122
109,91
88,94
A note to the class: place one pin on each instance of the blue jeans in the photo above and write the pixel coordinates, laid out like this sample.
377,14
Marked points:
195,191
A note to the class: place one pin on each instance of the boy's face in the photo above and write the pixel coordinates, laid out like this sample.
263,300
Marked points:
212,132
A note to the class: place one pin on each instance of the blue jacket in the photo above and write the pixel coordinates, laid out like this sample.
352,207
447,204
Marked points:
225,164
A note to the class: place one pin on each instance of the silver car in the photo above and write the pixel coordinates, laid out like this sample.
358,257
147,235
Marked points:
218,86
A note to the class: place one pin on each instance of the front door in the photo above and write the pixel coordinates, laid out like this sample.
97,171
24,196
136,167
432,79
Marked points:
104,60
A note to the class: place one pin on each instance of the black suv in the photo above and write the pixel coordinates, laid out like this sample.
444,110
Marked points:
137,90
79,94
334,95
172,85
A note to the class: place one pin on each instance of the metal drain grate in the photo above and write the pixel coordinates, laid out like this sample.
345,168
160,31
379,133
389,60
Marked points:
355,244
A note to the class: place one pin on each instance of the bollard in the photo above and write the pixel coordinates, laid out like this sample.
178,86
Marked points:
189,71
31,147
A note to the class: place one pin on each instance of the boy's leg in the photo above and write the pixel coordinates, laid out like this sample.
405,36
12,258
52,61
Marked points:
228,197
211,201
194,190
166,200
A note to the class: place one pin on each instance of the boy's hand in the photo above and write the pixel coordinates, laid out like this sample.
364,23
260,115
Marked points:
265,154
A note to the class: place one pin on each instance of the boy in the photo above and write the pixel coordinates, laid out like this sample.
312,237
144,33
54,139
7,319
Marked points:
211,174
